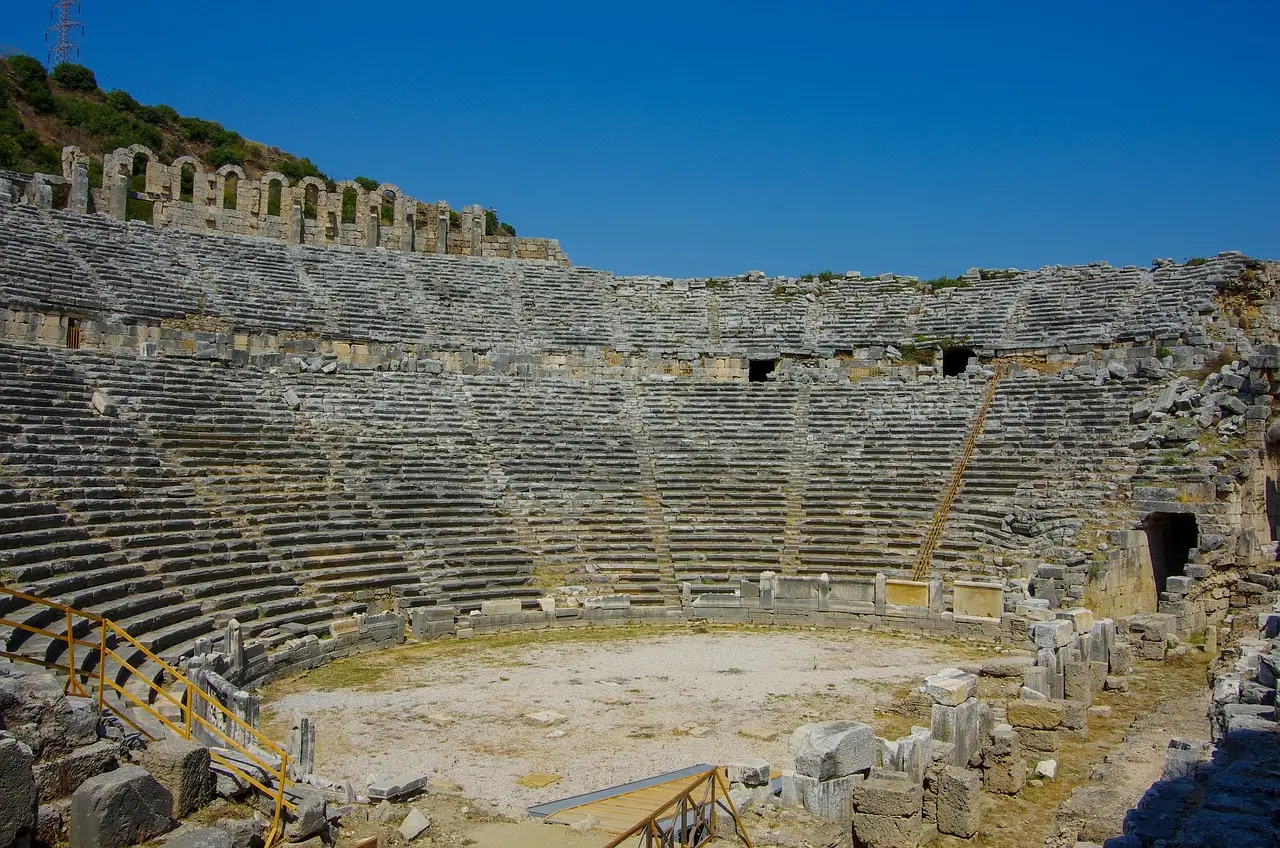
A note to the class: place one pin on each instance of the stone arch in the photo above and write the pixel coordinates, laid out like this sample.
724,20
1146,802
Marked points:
231,176
273,185
313,191
391,203
352,200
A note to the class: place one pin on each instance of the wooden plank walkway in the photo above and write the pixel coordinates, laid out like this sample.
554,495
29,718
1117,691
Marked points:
619,813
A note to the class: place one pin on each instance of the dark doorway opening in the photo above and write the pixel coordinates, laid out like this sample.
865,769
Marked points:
73,333
955,360
758,370
1170,538
1273,508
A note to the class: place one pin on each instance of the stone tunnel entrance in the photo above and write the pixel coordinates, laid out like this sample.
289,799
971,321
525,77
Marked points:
758,370
1170,538
955,360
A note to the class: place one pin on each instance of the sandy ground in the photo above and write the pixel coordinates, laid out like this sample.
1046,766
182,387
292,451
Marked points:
634,707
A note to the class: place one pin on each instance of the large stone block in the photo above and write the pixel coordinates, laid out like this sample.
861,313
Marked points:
1038,715
825,799
1040,741
1052,635
17,793
833,749
1003,769
884,797
1121,658
122,807
960,726
1081,618
959,802
59,778
182,767
1077,682
870,831
191,836
749,771
950,687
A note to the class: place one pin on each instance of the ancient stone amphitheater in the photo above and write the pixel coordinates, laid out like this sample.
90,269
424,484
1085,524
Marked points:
277,449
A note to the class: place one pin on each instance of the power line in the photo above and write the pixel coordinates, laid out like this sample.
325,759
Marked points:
64,47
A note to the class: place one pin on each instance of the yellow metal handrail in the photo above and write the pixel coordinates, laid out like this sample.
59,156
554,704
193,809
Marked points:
684,833
109,635
930,544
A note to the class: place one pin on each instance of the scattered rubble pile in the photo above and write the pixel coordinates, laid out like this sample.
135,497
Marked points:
1224,792
903,792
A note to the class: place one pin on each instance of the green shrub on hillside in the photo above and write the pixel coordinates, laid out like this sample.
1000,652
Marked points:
366,183
34,83
121,101
495,227
296,169
231,154
10,153
74,77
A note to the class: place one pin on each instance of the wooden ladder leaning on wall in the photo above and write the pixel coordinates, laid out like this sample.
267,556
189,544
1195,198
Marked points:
924,557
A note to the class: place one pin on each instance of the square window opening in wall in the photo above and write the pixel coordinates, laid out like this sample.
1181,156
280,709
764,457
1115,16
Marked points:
758,370
73,333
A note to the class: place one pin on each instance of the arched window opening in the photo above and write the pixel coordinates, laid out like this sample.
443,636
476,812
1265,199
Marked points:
348,206
187,183
758,370
955,360
274,189
310,202
231,191
138,208
1170,538
387,214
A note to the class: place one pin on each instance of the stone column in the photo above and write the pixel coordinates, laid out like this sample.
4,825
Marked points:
511,247
442,232
234,647
295,223
408,236
371,227
119,196
477,234
80,188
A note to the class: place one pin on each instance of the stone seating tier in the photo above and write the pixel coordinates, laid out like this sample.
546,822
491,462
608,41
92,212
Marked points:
58,261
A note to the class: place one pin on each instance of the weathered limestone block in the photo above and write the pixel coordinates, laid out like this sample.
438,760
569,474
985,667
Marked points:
191,836
959,802
1040,741
122,807
1052,635
886,813
1036,678
833,749
959,726
308,818
749,771
59,778
1081,618
182,767
1121,658
879,796
825,799
17,793
1077,681
1037,715
951,687
1004,770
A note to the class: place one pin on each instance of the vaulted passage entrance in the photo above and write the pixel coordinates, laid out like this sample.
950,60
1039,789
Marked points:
758,370
955,360
1170,538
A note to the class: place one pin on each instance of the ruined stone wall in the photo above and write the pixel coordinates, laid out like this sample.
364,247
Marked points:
310,211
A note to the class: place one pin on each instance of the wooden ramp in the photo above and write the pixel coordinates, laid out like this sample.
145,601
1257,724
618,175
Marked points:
618,809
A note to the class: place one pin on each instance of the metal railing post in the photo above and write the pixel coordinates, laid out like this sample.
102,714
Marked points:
71,654
102,664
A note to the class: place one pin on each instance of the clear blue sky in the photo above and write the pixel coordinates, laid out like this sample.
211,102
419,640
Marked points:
700,138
